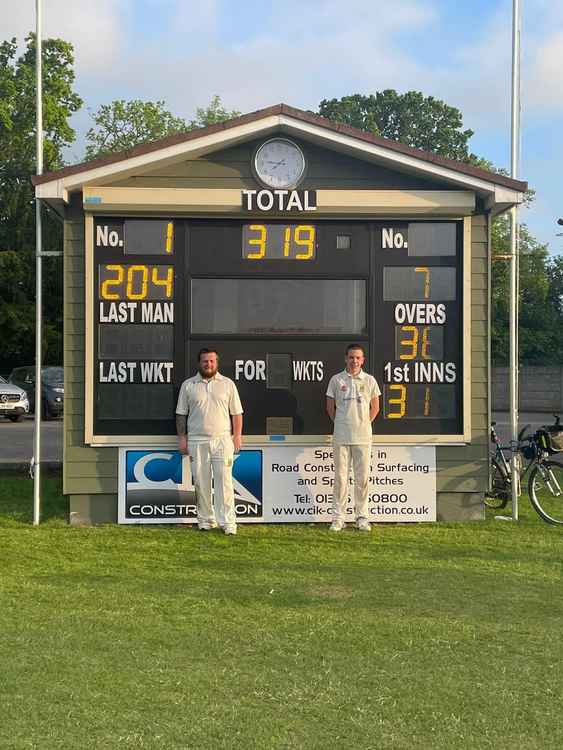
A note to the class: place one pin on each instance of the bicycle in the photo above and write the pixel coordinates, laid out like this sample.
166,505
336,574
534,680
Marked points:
500,485
545,478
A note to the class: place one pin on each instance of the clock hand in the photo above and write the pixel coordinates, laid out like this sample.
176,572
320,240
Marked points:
277,163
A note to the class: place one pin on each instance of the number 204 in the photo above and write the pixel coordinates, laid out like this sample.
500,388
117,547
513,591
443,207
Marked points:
136,279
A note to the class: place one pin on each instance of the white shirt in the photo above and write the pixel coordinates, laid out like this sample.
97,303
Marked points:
209,405
352,396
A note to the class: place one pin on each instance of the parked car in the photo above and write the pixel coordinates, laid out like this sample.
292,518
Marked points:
14,403
52,388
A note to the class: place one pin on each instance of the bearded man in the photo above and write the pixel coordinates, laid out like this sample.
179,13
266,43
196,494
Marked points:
209,428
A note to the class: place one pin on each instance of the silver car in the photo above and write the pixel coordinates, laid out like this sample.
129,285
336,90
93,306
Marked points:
13,401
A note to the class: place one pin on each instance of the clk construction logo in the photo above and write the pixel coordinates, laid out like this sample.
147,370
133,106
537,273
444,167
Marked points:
248,484
156,487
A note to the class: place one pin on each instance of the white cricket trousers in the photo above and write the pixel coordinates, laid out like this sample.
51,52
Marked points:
359,456
215,456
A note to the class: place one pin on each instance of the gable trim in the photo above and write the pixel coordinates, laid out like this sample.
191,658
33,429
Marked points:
57,185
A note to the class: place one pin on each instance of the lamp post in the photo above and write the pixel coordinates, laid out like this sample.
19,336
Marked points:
38,274
514,170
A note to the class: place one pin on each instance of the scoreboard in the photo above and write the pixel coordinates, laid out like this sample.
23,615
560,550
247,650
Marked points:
419,324
280,301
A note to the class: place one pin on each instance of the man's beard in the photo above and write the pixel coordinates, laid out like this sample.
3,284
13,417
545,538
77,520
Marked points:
207,374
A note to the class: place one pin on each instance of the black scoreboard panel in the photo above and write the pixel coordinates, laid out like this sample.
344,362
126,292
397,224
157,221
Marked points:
223,249
279,300
136,341
293,389
418,327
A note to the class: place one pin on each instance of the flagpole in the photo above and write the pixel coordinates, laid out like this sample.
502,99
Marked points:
38,271
514,259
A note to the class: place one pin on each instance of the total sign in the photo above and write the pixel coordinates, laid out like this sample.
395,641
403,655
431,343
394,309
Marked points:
278,484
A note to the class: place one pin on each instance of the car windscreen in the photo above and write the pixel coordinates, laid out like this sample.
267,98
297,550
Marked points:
52,375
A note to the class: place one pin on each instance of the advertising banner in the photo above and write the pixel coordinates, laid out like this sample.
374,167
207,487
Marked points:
278,484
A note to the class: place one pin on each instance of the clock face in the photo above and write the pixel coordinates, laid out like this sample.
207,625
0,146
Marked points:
279,163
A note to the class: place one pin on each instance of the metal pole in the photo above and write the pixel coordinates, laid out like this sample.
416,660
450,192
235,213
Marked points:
514,169
38,274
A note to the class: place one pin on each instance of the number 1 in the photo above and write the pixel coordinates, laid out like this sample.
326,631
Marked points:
427,402
286,241
169,233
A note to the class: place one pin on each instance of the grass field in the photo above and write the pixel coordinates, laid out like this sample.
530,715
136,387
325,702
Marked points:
416,636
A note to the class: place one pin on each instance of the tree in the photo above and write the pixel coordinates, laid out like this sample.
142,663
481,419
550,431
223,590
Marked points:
17,212
17,129
215,112
411,118
121,125
540,299
430,124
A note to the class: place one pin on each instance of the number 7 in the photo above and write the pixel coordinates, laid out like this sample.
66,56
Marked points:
426,271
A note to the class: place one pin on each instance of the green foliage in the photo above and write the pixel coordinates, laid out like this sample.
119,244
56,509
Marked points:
540,299
430,124
17,315
17,129
17,309
212,114
121,125
17,209
411,118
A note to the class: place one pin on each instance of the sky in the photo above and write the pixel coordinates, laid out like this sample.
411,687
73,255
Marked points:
254,54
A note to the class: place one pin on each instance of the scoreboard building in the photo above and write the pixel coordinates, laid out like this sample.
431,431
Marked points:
277,238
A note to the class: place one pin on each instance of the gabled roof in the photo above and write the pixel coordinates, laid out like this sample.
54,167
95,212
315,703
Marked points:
496,189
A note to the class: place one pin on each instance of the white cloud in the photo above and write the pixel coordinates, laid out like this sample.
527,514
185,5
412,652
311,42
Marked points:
300,51
324,51
93,29
544,79
196,21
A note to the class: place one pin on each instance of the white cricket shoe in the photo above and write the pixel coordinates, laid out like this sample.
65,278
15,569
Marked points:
337,525
230,530
362,524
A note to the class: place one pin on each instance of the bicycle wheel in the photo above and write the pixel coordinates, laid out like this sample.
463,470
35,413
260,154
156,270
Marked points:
498,494
545,488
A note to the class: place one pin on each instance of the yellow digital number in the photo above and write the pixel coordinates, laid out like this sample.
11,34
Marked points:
260,241
425,354
401,401
307,241
427,402
412,342
426,271
115,282
286,242
167,282
131,271
169,236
